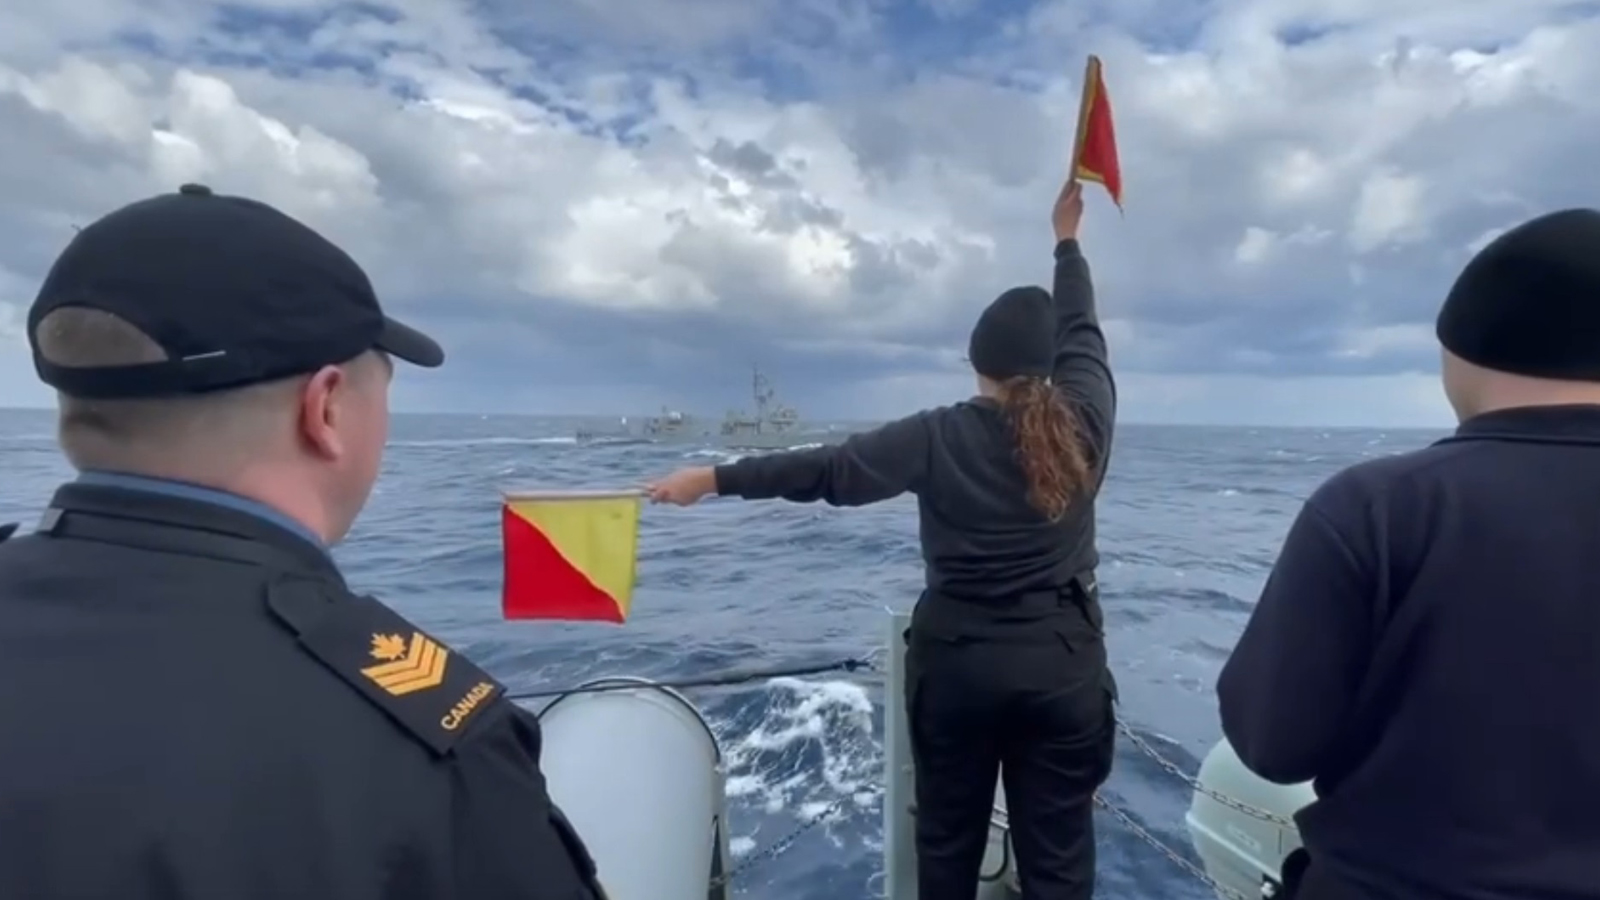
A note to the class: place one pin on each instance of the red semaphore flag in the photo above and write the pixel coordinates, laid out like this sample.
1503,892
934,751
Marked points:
1094,156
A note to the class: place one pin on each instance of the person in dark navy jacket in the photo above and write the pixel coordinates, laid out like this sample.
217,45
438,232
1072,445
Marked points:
198,706
1006,665
1427,648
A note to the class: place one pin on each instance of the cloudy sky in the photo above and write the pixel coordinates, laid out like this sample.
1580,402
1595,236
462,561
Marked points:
603,205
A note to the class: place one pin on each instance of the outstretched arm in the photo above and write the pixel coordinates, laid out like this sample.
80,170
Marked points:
868,467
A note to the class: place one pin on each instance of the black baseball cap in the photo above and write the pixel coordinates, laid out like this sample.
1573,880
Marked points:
236,292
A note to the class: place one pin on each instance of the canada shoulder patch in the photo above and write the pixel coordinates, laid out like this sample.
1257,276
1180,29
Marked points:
433,692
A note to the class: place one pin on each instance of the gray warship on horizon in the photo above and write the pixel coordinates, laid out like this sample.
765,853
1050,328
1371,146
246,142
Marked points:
772,426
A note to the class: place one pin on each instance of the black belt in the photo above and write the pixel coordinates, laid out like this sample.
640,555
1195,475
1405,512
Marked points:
1079,590
952,615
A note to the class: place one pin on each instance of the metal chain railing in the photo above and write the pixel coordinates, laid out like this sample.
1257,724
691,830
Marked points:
1178,859
721,679
1172,769
778,847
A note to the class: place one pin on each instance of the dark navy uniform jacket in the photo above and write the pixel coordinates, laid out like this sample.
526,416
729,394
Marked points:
198,707
1427,649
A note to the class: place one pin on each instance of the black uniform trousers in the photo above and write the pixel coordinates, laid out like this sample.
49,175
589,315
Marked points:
1028,701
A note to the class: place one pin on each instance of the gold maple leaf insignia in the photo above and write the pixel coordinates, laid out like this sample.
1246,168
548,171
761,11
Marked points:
388,646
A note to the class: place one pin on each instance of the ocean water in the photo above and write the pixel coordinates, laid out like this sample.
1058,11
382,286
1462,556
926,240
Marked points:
1191,519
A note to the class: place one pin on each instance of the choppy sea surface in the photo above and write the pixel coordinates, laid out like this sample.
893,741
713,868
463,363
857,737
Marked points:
1191,519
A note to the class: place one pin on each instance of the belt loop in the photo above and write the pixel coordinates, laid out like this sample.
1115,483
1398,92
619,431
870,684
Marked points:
1067,594
1085,585
1083,588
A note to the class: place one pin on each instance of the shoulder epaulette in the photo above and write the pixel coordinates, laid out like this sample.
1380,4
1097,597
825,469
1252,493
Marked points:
433,692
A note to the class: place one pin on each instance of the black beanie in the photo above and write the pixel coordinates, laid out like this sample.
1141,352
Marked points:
1015,336
1529,302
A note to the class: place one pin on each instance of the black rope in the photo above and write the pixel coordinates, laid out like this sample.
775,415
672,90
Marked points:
724,679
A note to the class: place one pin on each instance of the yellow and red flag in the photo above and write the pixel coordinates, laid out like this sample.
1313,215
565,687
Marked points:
1094,156
570,555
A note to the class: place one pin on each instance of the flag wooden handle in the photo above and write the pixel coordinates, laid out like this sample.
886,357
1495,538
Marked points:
1091,71
575,495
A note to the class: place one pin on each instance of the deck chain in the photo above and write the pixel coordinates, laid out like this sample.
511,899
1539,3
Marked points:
778,847
1140,832
1194,784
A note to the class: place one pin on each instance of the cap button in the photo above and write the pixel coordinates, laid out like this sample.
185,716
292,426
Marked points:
195,190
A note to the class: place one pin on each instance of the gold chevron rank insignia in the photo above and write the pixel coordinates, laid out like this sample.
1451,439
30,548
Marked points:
436,694
406,667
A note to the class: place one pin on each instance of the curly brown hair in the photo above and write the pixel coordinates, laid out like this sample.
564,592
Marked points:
1049,443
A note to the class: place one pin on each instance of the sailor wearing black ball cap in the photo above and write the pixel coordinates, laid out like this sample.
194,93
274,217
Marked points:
198,704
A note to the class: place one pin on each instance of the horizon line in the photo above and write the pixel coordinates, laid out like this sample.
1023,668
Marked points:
1138,423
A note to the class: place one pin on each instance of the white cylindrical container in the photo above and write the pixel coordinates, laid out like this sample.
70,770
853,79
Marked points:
639,774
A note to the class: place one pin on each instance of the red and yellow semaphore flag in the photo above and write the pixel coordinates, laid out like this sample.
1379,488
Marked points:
570,554
1094,155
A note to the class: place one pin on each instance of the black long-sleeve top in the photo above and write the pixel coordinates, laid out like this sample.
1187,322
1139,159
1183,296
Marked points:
981,538
1426,652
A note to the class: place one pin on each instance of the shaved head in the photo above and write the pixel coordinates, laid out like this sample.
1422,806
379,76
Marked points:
208,435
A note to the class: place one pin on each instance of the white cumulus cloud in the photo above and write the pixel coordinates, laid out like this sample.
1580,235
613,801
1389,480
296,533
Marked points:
597,206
